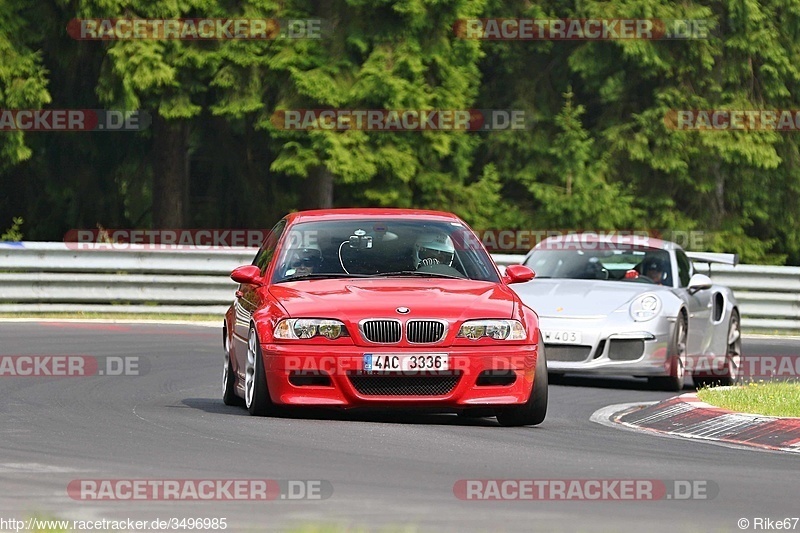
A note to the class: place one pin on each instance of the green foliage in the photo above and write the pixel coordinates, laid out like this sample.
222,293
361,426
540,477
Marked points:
14,233
23,77
573,191
598,154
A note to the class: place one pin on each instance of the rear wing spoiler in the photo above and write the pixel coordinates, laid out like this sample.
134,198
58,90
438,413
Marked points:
710,257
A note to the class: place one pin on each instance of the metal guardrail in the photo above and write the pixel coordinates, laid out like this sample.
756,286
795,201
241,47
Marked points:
768,296
50,277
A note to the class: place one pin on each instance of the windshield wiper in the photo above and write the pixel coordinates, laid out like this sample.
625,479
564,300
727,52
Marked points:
322,275
416,273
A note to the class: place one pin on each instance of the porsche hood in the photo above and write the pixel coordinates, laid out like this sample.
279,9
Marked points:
565,298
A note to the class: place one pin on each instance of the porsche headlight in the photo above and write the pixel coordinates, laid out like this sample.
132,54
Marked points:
307,328
508,330
645,307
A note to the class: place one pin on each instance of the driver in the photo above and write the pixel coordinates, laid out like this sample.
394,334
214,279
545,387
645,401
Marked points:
655,269
433,249
303,261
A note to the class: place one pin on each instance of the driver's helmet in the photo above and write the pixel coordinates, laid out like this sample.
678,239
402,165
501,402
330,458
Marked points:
655,263
434,248
303,260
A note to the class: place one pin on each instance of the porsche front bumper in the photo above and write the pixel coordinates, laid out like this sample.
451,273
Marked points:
607,346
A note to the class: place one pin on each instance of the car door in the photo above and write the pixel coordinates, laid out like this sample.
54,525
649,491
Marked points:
247,298
698,306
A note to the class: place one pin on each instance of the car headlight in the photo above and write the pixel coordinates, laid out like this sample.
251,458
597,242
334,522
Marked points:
508,330
307,328
645,307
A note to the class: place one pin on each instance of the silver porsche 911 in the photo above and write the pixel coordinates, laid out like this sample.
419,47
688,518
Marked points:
633,306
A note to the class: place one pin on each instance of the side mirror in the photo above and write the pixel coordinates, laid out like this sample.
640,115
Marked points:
699,282
250,274
518,274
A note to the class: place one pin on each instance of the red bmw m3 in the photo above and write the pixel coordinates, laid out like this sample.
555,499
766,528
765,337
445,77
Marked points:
382,307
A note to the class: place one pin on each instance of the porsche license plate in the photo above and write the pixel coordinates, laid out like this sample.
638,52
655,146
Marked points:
560,336
395,362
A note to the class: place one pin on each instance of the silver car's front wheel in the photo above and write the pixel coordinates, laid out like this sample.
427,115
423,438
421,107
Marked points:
676,355
733,355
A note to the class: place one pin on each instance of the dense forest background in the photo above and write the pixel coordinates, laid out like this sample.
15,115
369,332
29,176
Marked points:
598,155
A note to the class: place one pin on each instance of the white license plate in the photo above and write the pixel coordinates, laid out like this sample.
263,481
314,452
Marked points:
396,362
560,336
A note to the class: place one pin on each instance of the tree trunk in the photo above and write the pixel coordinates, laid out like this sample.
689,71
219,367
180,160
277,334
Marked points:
319,190
170,173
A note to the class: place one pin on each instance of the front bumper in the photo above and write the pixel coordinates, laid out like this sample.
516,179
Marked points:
609,347
284,363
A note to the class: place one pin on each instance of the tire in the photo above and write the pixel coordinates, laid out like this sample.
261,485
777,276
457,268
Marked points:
532,412
677,357
229,378
256,394
733,357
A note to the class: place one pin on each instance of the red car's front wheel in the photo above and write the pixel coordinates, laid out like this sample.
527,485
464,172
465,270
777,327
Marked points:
532,412
256,394
229,378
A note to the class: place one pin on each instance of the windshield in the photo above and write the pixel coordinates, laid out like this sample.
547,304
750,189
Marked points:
648,265
375,248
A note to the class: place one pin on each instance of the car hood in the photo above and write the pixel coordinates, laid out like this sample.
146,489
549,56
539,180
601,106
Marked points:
564,298
355,299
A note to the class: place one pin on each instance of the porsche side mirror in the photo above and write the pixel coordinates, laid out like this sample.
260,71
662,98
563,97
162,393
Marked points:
250,274
699,282
518,274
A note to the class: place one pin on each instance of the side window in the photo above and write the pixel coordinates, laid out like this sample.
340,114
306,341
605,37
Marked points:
267,250
684,268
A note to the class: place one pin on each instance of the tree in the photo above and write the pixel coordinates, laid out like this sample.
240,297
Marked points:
23,78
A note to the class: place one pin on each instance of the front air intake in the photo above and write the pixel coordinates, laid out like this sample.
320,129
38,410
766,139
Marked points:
385,331
425,331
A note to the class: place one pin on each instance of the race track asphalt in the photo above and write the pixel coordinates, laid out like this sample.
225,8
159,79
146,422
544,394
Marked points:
389,471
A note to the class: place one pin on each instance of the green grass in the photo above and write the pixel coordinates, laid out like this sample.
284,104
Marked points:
776,398
173,317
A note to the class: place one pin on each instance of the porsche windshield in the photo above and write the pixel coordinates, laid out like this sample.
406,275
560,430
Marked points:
375,248
639,264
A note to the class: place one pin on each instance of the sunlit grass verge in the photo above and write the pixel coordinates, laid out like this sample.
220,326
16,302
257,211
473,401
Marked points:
775,398
170,317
